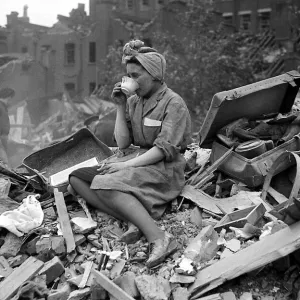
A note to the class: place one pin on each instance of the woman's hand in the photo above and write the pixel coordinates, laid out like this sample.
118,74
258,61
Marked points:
112,167
117,96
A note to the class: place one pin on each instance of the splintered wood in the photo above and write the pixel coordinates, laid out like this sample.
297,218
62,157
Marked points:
64,220
25,272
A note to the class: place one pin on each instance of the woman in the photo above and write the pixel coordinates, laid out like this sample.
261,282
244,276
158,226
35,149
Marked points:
156,119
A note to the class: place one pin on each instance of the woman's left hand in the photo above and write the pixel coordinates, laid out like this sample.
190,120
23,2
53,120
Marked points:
112,167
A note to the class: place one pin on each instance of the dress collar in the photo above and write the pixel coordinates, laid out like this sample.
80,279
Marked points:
154,99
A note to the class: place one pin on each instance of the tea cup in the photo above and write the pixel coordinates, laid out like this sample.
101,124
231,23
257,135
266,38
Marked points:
129,85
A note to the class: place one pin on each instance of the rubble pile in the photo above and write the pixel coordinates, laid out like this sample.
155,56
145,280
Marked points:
75,253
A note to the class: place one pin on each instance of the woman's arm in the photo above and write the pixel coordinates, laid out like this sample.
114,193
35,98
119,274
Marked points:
122,134
150,157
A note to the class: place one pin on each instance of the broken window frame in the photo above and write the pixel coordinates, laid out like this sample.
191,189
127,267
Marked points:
70,53
130,4
264,21
245,21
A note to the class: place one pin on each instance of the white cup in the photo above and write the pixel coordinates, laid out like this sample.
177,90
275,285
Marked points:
128,85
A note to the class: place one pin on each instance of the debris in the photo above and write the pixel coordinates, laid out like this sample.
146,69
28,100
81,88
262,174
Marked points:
86,274
180,293
83,225
196,216
234,245
259,254
61,294
186,267
52,269
11,246
64,220
228,296
117,268
246,296
79,239
271,228
44,243
18,260
178,278
5,268
111,287
204,246
15,280
58,245
153,288
127,283
79,294
239,218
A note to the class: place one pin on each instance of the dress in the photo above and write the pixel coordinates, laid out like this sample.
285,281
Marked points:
163,121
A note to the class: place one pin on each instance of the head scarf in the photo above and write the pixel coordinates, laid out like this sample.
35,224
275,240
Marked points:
153,62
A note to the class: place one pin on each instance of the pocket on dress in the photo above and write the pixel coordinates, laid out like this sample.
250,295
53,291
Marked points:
151,129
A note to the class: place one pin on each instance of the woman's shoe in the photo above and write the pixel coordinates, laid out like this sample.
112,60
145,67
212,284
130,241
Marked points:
160,249
132,235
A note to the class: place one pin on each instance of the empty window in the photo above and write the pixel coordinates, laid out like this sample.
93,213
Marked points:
24,49
92,52
228,20
70,53
160,2
264,20
145,2
130,4
245,22
92,87
70,87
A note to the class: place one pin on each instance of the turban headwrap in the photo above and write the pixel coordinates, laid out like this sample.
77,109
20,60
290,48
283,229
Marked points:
152,61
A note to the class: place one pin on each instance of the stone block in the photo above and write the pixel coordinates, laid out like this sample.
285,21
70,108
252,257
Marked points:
79,239
180,294
127,283
97,291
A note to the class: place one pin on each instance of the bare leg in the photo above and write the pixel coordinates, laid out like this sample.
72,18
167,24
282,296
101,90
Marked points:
83,189
132,210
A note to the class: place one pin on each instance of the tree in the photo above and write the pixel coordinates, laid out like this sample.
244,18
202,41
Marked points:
206,61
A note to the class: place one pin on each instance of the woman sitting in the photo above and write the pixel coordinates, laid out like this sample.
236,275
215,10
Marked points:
138,188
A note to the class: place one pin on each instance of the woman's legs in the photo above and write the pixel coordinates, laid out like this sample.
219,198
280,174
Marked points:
82,188
120,205
133,211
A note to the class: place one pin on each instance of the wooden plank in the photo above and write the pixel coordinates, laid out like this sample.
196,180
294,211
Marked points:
251,258
25,272
5,268
86,274
200,198
277,196
111,287
64,220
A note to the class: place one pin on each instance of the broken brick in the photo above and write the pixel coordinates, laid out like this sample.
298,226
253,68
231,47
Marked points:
153,288
61,294
180,293
44,243
53,269
58,245
11,246
127,283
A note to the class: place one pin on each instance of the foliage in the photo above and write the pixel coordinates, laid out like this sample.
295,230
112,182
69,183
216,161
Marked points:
206,61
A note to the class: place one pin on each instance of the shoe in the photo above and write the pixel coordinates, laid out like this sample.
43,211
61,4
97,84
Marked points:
160,249
132,235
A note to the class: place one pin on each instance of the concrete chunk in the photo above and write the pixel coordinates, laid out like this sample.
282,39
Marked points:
53,269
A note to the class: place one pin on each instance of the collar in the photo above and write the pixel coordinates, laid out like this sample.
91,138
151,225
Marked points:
154,99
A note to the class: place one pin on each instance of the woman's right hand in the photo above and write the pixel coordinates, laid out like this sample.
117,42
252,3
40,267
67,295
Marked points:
117,96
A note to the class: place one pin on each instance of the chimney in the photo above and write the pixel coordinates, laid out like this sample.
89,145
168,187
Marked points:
12,18
81,7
